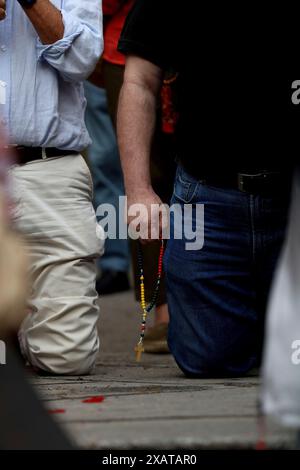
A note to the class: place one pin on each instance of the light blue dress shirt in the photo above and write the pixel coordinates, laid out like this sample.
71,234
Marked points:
43,102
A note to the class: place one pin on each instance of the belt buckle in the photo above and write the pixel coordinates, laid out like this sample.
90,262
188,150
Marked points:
44,153
255,182
242,182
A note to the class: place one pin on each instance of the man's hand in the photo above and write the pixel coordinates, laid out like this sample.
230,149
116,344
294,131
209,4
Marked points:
2,10
146,215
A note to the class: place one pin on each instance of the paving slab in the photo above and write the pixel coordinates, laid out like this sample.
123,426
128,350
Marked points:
152,405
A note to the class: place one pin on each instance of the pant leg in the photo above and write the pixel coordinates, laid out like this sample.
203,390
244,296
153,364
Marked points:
105,166
54,212
270,222
211,294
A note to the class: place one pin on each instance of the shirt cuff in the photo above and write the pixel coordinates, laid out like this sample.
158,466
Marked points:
73,29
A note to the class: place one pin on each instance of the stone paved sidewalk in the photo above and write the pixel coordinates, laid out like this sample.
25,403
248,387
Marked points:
151,405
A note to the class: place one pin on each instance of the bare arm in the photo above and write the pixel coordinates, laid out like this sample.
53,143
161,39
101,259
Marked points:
47,21
136,125
71,38
136,121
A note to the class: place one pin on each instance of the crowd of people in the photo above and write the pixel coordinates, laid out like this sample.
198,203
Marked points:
98,103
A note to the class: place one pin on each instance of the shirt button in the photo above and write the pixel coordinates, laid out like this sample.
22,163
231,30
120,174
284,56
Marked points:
4,122
3,48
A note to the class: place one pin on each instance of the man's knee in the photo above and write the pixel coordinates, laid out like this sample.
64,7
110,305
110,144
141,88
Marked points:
196,364
67,365
197,361
59,360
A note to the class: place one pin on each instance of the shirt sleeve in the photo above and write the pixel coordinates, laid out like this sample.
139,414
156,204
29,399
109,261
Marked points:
76,54
147,32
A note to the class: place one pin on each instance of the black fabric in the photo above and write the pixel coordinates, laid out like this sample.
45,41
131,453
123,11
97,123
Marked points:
235,108
29,154
25,423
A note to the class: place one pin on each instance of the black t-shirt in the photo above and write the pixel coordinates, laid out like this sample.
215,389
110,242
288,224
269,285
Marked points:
235,110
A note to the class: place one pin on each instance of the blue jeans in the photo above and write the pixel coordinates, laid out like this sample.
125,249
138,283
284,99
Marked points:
217,295
106,171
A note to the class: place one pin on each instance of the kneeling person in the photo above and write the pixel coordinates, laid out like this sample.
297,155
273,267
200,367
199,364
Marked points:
49,53
217,294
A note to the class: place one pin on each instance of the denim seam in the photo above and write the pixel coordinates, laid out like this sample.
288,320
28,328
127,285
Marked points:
252,223
189,193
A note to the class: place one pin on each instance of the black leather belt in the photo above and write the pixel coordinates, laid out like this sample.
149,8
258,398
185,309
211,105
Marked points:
260,183
29,154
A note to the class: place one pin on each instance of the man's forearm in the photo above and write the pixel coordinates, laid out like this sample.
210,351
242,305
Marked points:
47,21
136,123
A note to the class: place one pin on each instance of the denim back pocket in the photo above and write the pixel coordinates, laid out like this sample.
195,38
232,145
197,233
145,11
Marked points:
185,187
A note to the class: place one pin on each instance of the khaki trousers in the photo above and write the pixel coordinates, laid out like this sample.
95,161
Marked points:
53,210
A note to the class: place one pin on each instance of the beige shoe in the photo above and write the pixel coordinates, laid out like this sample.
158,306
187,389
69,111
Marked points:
155,341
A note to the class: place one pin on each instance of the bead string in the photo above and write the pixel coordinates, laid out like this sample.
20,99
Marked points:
139,349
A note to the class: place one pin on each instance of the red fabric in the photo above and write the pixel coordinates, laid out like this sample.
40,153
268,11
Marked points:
98,399
110,7
169,116
118,12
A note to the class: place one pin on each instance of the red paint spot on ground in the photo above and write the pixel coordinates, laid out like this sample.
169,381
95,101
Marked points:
261,445
98,399
57,411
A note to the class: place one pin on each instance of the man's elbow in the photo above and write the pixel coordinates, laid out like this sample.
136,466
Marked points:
93,59
95,56
84,66
140,73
